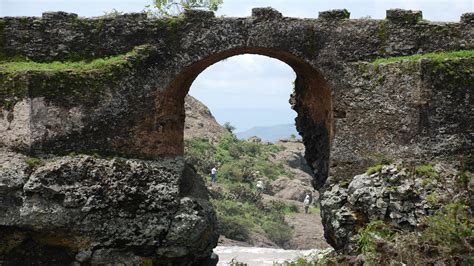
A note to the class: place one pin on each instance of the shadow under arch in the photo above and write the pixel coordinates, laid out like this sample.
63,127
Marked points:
311,100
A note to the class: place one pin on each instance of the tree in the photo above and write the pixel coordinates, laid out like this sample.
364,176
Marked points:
176,7
229,127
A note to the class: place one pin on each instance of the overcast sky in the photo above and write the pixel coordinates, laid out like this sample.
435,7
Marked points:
249,90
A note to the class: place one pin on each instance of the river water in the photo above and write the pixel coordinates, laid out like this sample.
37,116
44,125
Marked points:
254,256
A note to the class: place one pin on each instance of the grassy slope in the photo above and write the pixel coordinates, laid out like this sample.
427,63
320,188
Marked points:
240,209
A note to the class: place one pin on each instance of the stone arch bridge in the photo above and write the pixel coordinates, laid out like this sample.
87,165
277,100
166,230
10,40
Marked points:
351,108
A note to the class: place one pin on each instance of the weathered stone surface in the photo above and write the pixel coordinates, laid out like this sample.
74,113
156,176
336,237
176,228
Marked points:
336,14
395,195
404,16
137,109
410,110
96,211
467,18
266,13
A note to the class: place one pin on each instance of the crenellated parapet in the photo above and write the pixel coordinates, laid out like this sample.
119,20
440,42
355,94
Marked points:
65,36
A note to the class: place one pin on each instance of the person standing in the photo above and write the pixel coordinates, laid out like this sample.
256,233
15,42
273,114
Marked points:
306,202
213,175
260,186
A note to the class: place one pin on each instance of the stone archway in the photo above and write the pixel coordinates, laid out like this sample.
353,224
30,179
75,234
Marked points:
311,100
133,108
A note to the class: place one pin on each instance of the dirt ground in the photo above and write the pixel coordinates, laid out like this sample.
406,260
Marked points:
308,231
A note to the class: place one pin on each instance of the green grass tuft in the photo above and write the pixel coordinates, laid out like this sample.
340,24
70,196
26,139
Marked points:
426,170
26,65
440,56
33,162
374,169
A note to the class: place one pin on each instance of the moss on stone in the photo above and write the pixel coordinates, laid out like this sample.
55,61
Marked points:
66,83
34,162
426,170
382,36
438,57
2,40
455,74
12,89
24,65
173,25
374,169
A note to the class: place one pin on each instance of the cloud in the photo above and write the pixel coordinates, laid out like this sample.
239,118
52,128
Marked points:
245,81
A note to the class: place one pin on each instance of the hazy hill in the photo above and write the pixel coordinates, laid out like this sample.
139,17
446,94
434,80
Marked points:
270,133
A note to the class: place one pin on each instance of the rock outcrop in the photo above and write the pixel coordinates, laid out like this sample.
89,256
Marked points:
297,184
399,196
87,210
199,122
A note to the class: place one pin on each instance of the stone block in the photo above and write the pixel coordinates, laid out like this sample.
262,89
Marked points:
336,14
197,14
266,13
58,15
467,18
404,16
135,16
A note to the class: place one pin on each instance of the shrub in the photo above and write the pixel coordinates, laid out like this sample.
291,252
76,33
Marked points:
432,198
233,227
200,153
426,170
239,219
272,148
238,170
272,171
367,236
277,232
452,227
244,194
33,162
447,237
229,127
464,178
381,160
374,169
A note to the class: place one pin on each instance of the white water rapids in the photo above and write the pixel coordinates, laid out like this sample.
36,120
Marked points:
254,256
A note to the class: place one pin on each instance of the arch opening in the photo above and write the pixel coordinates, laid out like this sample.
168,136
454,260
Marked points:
311,100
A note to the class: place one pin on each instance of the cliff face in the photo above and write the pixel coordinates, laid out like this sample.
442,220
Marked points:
199,122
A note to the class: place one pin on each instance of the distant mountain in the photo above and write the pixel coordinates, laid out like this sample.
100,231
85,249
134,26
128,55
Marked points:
270,133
